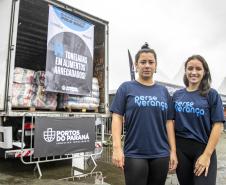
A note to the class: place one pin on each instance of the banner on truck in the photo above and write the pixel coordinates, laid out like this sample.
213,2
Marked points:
69,58
55,136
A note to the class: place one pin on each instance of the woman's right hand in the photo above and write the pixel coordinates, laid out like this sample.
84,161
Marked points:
118,158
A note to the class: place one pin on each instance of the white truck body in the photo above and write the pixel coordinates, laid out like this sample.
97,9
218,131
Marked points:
23,38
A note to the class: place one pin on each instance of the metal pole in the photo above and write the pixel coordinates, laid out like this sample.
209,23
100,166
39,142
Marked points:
102,131
39,170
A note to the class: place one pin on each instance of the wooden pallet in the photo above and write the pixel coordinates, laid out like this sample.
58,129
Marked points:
44,109
73,109
31,109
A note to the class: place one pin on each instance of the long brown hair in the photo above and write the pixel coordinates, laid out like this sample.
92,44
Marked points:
205,83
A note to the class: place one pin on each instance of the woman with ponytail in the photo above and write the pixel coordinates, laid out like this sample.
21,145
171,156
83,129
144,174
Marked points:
145,108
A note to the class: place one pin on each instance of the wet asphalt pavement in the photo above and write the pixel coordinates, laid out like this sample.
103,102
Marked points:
13,172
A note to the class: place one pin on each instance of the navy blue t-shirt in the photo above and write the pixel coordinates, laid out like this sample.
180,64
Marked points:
146,110
195,114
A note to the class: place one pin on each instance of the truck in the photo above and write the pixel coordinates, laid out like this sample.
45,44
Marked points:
24,31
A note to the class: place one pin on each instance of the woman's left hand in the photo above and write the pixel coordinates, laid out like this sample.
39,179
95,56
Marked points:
173,161
202,164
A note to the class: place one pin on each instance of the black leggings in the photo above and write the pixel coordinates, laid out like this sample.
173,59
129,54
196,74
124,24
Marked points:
188,151
146,171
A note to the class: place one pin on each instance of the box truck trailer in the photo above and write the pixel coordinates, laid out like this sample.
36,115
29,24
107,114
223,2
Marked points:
24,49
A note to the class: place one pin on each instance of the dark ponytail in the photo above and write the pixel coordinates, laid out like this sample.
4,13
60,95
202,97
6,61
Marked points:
145,49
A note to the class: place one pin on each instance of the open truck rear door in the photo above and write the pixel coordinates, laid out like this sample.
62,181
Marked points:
7,20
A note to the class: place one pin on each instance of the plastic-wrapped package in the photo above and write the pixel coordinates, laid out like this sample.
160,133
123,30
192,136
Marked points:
22,95
78,102
23,90
28,90
24,76
75,105
40,78
81,102
21,102
43,99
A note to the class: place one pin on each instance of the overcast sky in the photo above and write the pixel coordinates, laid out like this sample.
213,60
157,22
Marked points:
176,29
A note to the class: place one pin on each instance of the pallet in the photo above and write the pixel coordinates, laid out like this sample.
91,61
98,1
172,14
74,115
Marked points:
31,109
73,109
44,109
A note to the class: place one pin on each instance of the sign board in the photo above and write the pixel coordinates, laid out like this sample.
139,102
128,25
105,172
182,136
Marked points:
69,59
57,136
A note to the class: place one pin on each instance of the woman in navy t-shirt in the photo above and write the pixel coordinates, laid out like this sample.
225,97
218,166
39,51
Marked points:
198,124
149,146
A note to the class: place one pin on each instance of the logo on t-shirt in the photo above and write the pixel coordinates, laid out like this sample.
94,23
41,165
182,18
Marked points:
150,101
188,107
